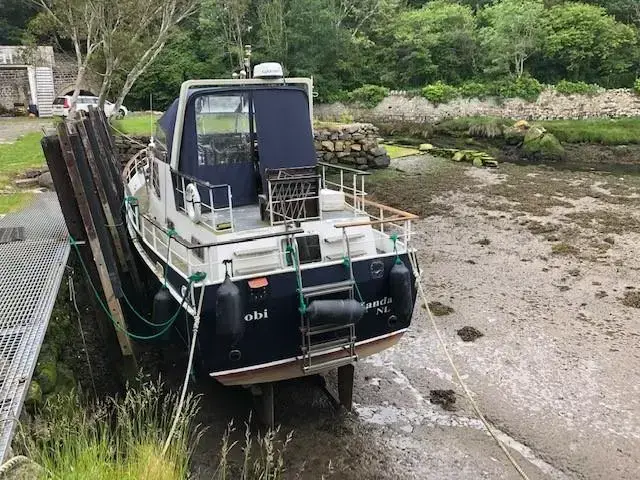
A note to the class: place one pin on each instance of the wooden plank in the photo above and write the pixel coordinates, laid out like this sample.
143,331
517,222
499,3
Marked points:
112,220
116,205
73,220
92,237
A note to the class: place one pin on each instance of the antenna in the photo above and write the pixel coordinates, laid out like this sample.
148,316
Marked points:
151,116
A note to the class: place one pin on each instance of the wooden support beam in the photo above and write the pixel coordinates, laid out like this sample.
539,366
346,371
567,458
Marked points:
92,237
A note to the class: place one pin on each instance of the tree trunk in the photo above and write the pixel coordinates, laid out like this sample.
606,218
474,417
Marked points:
76,89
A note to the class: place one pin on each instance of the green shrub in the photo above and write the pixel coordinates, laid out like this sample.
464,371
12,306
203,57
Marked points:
473,89
569,88
440,92
636,86
527,88
369,95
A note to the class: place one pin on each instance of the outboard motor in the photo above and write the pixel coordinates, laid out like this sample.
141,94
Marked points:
335,312
229,321
400,287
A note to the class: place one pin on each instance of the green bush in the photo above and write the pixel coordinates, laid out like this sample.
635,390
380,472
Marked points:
636,86
569,88
473,89
369,95
527,88
440,92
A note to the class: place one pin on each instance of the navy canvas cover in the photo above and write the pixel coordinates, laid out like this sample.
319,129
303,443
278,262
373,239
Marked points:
285,136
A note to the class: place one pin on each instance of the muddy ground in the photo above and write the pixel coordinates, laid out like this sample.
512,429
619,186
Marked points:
544,263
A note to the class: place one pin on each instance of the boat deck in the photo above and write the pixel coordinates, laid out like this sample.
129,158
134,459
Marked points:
32,269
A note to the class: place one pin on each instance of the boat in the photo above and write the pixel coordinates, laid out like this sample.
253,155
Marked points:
287,266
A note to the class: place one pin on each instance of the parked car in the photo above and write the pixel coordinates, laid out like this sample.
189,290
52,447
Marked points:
61,106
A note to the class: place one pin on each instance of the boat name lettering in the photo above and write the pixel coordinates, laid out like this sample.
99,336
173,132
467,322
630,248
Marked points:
255,315
381,306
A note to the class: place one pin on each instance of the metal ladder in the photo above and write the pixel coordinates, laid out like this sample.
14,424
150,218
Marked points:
344,343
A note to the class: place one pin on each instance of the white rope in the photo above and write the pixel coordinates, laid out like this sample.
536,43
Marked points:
196,326
467,392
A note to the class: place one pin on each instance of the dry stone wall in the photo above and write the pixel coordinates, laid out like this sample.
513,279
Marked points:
550,105
354,144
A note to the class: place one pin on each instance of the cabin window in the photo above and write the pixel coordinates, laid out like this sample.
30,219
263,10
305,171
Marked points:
224,133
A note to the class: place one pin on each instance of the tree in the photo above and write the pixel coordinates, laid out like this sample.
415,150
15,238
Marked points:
436,42
513,33
78,21
587,43
14,15
164,16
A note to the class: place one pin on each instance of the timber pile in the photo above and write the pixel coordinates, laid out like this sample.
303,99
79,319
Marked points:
85,171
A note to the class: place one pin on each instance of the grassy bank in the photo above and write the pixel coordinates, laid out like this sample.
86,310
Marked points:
137,124
23,154
602,131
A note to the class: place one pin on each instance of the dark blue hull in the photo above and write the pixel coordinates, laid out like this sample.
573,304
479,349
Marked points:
272,319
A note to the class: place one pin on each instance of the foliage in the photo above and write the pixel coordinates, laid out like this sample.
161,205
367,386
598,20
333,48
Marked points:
636,86
586,43
121,438
474,89
525,87
398,151
369,95
436,42
513,33
602,130
569,88
440,92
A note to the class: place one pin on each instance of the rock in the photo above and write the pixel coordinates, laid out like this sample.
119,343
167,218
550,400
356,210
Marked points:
521,125
339,146
34,395
45,180
356,147
329,156
513,135
25,182
47,375
357,136
534,133
380,161
458,156
425,147
342,154
477,162
66,380
328,145
544,147
378,151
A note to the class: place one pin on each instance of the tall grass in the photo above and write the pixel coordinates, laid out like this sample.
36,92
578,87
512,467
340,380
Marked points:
117,439
604,131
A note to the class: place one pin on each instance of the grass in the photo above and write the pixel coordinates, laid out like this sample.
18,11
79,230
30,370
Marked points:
121,438
397,151
137,124
601,130
15,158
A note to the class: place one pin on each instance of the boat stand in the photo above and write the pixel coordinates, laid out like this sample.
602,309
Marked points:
263,395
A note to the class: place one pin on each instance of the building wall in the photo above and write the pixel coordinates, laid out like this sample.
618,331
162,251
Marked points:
64,76
14,87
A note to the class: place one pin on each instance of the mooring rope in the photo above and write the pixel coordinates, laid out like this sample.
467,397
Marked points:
467,392
72,297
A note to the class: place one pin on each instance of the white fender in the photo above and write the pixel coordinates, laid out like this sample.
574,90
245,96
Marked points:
192,202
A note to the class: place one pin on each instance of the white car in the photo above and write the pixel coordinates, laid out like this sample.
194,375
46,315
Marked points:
61,106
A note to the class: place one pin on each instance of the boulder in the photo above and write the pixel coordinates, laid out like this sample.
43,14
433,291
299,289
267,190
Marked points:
513,135
380,161
544,147
45,180
328,145
534,133
425,147
378,151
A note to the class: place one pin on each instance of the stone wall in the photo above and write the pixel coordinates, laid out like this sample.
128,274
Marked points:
64,76
355,144
550,105
14,88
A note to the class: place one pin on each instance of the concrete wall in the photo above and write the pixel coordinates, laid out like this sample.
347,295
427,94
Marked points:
550,105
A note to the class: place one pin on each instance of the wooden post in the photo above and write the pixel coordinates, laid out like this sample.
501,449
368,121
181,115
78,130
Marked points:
92,237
